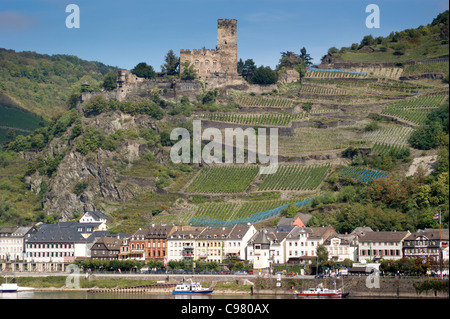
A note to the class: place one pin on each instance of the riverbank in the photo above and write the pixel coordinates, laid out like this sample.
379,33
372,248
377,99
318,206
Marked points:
358,287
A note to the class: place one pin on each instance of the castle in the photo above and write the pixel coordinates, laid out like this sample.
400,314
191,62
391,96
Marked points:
221,61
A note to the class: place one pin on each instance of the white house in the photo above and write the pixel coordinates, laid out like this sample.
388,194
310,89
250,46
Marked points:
341,247
268,246
95,217
62,242
181,244
302,242
236,241
378,245
12,242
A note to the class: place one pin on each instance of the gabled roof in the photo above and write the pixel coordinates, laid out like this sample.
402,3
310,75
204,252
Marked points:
384,236
65,232
214,233
186,232
110,243
160,231
313,232
430,234
97,215
304,218
238,231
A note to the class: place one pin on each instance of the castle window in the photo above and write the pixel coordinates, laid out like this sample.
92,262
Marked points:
214,63
207,62
197,62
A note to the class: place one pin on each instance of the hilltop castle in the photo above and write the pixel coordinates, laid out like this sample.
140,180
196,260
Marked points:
222,60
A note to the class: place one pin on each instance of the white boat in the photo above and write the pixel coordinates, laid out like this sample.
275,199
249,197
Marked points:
321,293
191,289
13,287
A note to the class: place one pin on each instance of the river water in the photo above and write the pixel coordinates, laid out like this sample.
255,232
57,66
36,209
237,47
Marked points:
89,295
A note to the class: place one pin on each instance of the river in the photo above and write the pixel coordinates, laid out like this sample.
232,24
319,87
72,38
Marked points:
89,295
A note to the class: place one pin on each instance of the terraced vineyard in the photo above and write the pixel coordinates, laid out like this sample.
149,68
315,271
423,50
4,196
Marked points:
382,72
323,90
397,135
392,149
294,177
362,174
228,214
436,67
275,119
325,73
310,139
223,179
260,101
414,110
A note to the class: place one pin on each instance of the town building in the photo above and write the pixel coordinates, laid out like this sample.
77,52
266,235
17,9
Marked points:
12,242
426,244
342,247
267,247
62,243
136,244
156,241
236,242
95,217
106,248
376,245
302,243
210,244
181,243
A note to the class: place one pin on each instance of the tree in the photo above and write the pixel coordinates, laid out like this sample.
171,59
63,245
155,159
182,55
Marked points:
322,254
188,71
247,68
289,60
240,66
264,75
305,57
172,63
290,211
143,70
110,81
333,50
96,105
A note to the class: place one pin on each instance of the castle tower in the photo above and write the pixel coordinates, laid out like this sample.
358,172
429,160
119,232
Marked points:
227,45
222,60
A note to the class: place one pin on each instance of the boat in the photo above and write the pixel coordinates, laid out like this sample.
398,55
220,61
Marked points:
321,293
13,287
191,289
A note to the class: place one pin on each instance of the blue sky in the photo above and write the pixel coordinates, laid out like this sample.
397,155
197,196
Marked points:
124,33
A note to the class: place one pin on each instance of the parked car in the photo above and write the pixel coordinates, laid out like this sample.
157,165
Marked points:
250,271
291,273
